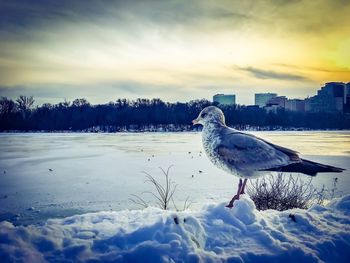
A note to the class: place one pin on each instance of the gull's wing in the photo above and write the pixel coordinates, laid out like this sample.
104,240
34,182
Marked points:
293,155
248,152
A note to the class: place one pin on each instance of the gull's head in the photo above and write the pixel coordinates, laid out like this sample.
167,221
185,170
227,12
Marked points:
210,114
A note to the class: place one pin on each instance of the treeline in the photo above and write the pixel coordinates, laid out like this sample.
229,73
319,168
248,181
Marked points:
78,115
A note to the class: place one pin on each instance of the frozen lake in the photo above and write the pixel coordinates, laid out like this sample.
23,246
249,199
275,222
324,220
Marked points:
45,175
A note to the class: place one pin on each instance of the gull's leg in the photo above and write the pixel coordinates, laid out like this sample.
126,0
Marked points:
236,197
243,186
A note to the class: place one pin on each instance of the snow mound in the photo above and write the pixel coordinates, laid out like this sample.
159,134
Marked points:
214,234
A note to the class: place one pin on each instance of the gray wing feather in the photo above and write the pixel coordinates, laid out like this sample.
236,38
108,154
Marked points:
293,155
247,152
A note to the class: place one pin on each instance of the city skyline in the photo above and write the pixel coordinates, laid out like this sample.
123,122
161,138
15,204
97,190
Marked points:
173,50
259,99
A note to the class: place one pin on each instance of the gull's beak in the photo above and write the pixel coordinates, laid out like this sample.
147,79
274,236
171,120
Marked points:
195,121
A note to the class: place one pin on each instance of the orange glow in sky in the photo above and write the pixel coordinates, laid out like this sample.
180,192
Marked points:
175,50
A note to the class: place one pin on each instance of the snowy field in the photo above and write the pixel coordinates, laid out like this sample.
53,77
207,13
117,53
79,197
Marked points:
213,234
65,198
57,175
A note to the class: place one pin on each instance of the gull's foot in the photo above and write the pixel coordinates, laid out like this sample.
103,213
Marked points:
230,204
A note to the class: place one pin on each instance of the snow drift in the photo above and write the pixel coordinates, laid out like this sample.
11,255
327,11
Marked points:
214,234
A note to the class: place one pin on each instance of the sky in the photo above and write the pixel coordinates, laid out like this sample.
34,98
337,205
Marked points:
173,50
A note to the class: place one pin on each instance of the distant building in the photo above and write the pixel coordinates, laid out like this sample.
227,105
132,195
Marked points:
330,98
261,99
229,99
279,101
275,103
295,105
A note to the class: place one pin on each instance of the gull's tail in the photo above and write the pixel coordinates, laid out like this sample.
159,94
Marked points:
308,167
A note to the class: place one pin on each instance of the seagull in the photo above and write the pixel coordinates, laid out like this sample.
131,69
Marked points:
247,156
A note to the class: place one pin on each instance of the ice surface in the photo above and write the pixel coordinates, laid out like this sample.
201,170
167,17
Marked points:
212,234
44,175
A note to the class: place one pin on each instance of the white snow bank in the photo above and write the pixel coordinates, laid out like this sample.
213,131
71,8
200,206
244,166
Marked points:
214,234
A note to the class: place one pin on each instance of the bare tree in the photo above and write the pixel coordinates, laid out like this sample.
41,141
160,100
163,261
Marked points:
25,105
80,102
6,106
64,104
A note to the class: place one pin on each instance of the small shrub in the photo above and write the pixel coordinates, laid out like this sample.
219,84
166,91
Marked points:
281,192
163,194
324,194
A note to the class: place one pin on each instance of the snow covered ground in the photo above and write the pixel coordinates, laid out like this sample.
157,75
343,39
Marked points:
47,175
212,234
53,187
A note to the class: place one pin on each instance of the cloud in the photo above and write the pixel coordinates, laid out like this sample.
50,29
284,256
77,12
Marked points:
23,14
277,16
168,43
269,74
321,69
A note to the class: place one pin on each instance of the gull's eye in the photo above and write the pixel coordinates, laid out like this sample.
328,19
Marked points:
203,115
